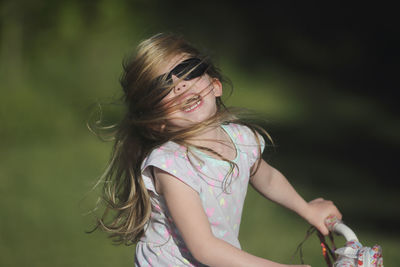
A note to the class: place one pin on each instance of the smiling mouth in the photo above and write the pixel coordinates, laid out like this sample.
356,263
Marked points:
192,103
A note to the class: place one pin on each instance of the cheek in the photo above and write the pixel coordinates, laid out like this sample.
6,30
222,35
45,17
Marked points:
169,108
168,100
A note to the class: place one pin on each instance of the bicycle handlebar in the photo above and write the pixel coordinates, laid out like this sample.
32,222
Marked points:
353,254
337,226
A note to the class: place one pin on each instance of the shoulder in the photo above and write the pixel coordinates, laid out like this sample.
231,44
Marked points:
171,158
169,150
249,143
242,134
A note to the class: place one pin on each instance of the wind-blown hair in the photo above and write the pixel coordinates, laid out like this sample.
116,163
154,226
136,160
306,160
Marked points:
127,201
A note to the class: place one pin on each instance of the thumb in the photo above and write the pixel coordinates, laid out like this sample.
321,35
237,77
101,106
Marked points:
322,228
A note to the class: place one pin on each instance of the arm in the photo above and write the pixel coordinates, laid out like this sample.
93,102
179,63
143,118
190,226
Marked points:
186,209
270,183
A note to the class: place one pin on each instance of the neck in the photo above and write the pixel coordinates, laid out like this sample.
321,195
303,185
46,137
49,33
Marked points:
208,135
216,139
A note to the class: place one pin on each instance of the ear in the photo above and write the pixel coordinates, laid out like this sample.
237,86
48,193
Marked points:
217,87
162,128
158,127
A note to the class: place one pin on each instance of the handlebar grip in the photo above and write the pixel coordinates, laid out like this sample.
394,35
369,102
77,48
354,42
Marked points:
337,226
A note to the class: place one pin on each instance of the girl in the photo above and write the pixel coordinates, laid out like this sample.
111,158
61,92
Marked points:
182,161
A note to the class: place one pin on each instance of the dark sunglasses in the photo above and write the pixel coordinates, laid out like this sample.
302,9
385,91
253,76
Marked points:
188,69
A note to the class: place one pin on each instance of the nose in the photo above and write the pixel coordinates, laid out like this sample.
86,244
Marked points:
180,85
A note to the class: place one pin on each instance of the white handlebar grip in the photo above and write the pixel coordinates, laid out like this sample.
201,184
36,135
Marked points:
337,226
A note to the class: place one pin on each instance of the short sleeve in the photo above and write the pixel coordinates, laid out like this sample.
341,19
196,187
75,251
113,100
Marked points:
262,142
172,159
257,145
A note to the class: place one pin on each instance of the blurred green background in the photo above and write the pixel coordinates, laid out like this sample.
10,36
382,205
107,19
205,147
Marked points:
323,77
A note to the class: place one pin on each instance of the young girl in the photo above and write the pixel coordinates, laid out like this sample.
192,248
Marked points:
182,161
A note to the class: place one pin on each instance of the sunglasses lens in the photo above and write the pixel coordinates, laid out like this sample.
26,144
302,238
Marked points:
190,69
197,72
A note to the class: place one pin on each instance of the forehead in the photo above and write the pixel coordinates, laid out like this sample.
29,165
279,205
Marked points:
170,63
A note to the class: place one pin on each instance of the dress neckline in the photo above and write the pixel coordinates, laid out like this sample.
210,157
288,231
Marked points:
227,130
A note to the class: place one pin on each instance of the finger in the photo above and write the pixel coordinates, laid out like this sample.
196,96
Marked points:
316,200
338,214
335,212
323,229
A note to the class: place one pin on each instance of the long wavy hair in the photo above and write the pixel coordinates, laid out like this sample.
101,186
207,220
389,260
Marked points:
125,197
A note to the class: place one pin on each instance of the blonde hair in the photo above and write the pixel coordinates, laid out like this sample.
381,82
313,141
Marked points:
126,198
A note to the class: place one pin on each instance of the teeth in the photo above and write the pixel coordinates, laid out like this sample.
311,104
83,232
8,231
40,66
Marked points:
193,106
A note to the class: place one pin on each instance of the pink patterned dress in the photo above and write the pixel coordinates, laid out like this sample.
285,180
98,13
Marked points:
222,195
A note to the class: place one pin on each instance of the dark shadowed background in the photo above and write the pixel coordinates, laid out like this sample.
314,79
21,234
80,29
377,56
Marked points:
323,77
